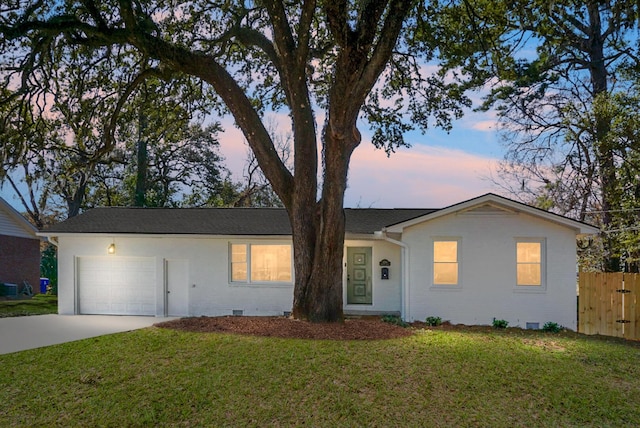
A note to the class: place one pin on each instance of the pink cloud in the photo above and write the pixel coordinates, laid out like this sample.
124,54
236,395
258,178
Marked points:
422,176
485,126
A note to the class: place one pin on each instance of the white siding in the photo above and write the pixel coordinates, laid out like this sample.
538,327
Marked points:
487,271
10,227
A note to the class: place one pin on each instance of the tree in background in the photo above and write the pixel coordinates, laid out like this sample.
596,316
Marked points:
561,70
168,157
64,134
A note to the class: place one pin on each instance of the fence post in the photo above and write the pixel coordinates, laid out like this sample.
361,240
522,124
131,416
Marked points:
631,310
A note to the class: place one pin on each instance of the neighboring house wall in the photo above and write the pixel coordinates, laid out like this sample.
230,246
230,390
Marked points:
20,260
19,251
487,267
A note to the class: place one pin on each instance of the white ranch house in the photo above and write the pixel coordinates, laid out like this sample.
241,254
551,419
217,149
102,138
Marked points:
468,263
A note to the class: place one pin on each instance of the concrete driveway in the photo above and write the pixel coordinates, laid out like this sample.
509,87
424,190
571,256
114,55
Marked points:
21,333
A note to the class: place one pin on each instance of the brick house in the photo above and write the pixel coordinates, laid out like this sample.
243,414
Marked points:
19,248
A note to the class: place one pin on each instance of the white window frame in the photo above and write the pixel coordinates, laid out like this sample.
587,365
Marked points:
248,280
543,266
458,241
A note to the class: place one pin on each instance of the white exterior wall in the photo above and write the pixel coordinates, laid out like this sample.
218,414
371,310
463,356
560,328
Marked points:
210,289
488,271
387,292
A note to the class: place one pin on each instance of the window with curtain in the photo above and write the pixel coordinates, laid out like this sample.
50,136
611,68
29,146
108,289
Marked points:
261,263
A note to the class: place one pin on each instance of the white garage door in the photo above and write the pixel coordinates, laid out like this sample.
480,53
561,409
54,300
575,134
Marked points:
117,285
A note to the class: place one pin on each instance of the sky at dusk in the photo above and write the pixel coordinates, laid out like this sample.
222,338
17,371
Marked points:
439,169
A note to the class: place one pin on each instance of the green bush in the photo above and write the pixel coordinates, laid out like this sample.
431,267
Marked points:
433,321
394,319
500,323
49,268
552,327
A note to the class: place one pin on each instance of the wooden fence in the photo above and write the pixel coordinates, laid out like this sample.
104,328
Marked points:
608,304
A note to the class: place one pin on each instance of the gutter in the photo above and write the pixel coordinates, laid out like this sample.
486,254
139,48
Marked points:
52,240
404,286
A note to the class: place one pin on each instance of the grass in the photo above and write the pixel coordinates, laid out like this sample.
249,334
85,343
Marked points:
157,377
37,305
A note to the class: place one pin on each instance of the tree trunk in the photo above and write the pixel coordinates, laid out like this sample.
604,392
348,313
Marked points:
76,198
604,151
319,275
142,162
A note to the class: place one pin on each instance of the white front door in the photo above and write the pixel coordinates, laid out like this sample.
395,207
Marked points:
177,275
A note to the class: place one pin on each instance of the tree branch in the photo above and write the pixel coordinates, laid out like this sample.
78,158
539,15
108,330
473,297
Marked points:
337,15
396,15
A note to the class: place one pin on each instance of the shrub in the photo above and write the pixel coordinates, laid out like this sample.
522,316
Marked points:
500,323
433,321
394,319
49,268
552,327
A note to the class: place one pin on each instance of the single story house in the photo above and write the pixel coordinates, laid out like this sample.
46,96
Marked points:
468,263
19,248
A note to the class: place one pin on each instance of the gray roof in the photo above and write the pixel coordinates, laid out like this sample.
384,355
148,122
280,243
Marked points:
217,221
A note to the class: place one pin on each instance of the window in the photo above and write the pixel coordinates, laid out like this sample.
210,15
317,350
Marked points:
238,263
261,263
529,263
446,266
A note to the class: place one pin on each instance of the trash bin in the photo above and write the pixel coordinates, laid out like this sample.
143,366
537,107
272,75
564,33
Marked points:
44,283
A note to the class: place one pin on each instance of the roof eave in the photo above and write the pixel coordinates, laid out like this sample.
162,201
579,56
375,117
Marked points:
578,227
19,218
159,235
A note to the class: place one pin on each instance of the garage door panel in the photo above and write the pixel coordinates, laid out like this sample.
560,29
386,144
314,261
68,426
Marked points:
117,285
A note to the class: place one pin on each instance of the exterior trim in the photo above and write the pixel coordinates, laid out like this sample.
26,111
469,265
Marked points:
498,201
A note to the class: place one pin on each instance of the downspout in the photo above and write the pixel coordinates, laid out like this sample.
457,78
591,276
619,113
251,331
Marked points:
404,286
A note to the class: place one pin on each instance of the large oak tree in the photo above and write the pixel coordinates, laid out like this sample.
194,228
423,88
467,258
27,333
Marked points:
350,60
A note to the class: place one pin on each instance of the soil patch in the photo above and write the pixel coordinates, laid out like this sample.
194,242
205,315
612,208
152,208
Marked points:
351,329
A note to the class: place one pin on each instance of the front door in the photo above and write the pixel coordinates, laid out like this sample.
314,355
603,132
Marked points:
359,276
177,275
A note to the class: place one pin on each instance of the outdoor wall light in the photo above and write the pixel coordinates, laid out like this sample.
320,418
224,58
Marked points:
111,249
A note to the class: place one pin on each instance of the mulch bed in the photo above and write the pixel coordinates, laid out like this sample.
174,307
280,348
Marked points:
365,328
351,329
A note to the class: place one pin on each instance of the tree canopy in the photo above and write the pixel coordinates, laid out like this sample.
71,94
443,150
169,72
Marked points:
333,61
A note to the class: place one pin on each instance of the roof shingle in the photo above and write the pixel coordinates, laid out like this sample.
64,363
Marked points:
217,221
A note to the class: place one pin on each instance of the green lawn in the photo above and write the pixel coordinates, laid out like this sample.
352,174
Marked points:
38,305
158,377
